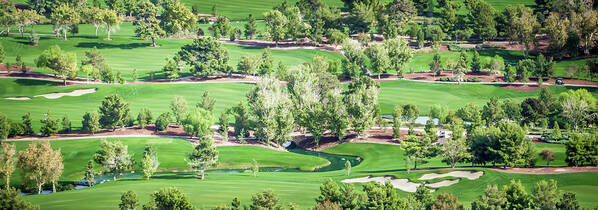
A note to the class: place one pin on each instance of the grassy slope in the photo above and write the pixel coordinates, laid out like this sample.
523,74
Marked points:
301,188
155,97
125,52
171,154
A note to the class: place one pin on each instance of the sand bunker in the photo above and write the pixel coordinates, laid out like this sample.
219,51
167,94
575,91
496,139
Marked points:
408,186
471,175
18,98
74,93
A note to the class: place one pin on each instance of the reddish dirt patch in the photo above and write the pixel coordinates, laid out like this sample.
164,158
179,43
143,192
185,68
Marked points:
522,87
548,170
173,130
378,136
14,68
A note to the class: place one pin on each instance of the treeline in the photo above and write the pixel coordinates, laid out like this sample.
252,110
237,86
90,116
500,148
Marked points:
545,195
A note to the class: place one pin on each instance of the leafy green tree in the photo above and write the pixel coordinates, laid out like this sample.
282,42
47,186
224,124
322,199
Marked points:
449,18
61,63
361,18
64,17
436,65
12,199
545,194
348,167
113,112
179,107
276,29
532,110
476,62
493,112
25,18
148,166
149,29
544,67
176,18
353,64
556,132
221,27
265,200
455,151
336,113
91,122
434,35
90,174
379,59
255,167
197,122
510,74
361,101
66,124
7,162
128,201
524,69
580,150
547,155
483,16
556,29
335,36
169,198
378,196
2,54
492,199
396,122
163,121
517,197
568,202
587,23
394,17
445,201
144,117
418,149
248,64
94,57
266,62
114,157
223,123
206,102
36,164
50,126
241,124
171,69
513,147
521,25
93,16
111,21
204,155
272,109
250,27
4,126
206,55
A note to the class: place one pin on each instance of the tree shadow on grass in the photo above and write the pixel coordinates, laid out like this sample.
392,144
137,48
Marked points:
108,45
507,55
30,82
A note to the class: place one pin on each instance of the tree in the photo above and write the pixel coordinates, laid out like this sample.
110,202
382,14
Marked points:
524,69
2,54
144,117
255,167
221,27
250,27
396,122
176,18
361,100
497,64
197,122
223,123
492,199
587,24
361,18
547,155
544,67
271,107
493,112
94,58
436,65
418,149
556,132
25,18
266,62
580,150
434,34
94,16
206,102
348,167
5,125
522,24
179,108
546,194
476,63
336,113
275,26
171,69
90,174
91,122
111,21
512,147
378,196
379,59
394,17
206,55
113,112
35,163
556,29
55,167
483,16
7,162
576,106
128,201
149,29
568,202
510,74
446,201
248,64
455,151
50,126
163,121
66,124
517,197
204,155
62,63
532,110
169,198
12,199
64,17
148,166
265,200
114,157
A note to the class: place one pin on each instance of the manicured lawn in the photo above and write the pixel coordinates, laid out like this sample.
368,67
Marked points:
301,188
425,95
172,153
156,97
124,52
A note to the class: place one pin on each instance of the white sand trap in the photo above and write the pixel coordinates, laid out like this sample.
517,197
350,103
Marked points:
18,98
463,174
74,93
401,184
443,183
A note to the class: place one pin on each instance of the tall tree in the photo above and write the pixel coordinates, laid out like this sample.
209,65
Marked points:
250,27
91,122
128,201
271,107
446,201
517,197
266,62
111,21
361,100
493,198
50,126
55,167
396,122
379,60
483,17
176,18
12,199
113,111
90,174
556,29
275,26
204,155
587,24
521,25
64,17
149,29
94,16
546,194
206,102
399,53
63,64
35,162
418,149
455,151
7,162
114,157
206,55
26,18
197,122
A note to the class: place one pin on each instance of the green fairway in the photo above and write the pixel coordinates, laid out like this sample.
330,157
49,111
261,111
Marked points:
156,97
425,95
303,187
172,153
124,52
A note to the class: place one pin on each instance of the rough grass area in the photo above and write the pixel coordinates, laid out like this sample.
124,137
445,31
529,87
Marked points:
301,188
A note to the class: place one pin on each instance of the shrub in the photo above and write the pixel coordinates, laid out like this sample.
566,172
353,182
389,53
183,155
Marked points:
162,121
